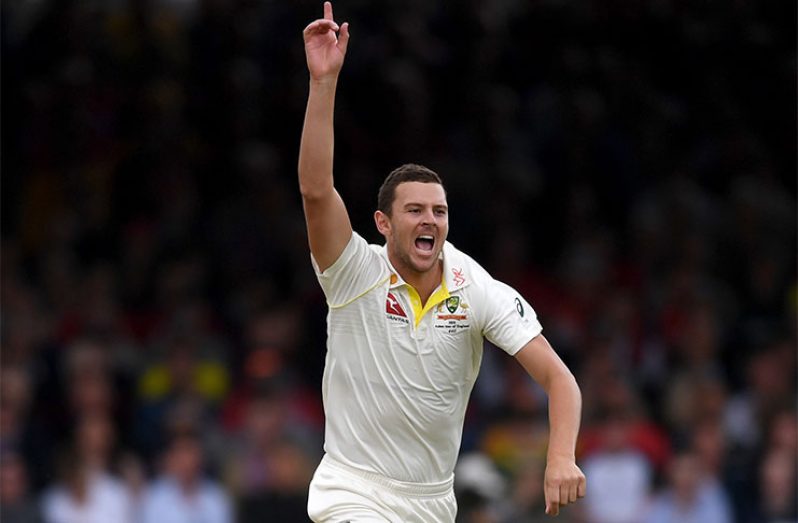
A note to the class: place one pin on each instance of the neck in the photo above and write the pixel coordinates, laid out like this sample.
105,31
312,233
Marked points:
425,282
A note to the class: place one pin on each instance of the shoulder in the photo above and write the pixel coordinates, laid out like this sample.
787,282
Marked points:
357,251
362,259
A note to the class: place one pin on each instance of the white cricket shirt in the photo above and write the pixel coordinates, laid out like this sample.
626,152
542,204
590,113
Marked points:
397,376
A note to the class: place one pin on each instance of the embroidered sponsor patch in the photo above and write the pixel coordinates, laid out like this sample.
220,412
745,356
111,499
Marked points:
394,309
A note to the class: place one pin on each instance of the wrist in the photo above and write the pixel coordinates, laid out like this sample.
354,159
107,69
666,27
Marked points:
558,455
324,81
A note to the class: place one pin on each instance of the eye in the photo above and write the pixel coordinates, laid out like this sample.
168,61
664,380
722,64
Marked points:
440,212
414,211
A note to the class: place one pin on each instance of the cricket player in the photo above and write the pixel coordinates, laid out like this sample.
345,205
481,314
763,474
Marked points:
406,325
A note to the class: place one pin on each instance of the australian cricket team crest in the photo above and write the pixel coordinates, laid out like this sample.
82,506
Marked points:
452,304
451,315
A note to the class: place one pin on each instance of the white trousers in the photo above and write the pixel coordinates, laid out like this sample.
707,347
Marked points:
340,493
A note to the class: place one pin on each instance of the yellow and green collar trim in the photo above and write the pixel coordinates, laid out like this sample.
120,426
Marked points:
440,294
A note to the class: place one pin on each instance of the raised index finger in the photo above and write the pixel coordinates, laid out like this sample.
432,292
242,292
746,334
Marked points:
328,11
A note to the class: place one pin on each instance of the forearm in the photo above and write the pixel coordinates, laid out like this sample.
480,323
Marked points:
564,482
317,143
565,410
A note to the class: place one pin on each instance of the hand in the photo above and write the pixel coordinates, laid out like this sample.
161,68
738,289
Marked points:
323,49
563,484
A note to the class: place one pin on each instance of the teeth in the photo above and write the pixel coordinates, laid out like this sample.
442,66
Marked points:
425,237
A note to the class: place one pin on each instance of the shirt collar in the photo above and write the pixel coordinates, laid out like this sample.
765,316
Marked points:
455,270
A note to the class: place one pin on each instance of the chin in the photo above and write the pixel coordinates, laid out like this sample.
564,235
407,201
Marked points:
426,265
421,268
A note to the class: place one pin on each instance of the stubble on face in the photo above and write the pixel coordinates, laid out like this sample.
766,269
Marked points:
419,227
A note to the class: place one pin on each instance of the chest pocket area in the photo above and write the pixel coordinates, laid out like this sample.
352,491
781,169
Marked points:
439,353
453,358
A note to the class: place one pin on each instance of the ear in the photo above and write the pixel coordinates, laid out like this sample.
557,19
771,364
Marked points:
383,223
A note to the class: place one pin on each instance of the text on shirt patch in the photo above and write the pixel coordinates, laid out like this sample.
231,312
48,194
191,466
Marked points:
456,320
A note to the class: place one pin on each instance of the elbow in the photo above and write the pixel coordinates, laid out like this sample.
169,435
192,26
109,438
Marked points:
571,380
576,392
565,379
308,193
313,191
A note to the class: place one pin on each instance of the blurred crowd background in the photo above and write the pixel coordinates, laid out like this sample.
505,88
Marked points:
628,166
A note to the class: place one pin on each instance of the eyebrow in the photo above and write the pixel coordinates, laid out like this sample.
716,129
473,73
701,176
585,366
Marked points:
434,205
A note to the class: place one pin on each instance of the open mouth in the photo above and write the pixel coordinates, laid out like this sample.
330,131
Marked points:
425,243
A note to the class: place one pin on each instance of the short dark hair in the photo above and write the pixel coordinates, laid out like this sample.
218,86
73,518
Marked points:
409,172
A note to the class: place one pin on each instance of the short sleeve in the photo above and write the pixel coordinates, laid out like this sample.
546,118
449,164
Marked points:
356,271
509,322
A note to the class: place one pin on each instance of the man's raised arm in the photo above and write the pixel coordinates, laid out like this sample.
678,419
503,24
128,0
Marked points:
329,229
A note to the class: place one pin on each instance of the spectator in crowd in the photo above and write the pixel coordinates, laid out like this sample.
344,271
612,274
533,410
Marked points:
269,466
771,379
15,399
88,490
709,445
285,499
17,505
621,447
783,431
133,476
621,475
187,386
88,380
182,493
778,501
480,489
95,443
526,501
85,495
690,497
